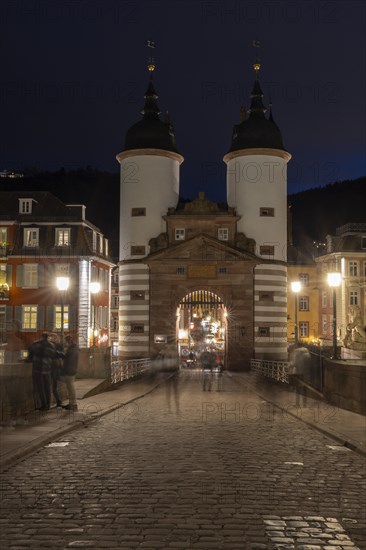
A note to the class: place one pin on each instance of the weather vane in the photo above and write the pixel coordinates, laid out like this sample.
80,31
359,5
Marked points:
151,65
256,64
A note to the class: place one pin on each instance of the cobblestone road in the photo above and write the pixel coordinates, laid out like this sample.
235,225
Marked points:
187,468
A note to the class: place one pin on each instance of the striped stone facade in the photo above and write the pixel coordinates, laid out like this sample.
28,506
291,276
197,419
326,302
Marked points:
270,312
133,316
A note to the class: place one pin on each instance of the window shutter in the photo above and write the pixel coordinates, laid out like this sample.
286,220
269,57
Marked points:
72,317
9,275
19,316
40,317
50,275
41,276
50,321
19,276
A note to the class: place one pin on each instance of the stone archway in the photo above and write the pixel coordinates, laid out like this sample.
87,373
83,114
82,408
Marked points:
201,326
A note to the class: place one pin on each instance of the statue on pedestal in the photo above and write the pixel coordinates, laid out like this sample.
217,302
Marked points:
355,331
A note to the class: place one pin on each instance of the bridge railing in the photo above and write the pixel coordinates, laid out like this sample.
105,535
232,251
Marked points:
129,368
278,370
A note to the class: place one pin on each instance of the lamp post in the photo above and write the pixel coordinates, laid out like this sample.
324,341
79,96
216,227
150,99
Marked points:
62,284
334,281
296,287
94,289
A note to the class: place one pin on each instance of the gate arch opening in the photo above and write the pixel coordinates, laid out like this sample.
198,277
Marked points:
201,327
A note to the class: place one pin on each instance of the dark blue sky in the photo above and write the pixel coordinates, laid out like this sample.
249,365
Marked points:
73,76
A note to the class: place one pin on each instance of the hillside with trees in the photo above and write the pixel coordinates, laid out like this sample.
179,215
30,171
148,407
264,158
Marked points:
315,213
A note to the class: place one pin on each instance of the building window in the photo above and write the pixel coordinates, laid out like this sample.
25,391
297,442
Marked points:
137,329
2,325
353,298
31,237
304,279
115,324
58,321
353,269
304,303
2,357
62,270
62,237
115,302
324,324
3,240
223,234
265,211
303,329
265,296
137,250
137,295
138,212
180,234
266,250
29,317
115,277
30,276
263,331
324,299
363,243
222,269
180,270
25,206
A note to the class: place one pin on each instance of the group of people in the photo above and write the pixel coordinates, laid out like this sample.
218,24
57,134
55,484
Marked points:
52,363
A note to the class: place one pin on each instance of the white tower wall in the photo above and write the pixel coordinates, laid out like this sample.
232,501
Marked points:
150,182
259,181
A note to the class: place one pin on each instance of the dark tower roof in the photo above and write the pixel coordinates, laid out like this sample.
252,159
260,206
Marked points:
256,131
150,132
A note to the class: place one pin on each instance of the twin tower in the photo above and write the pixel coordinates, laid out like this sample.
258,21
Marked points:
256,191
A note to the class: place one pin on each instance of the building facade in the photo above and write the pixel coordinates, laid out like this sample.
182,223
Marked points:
196,276
42,240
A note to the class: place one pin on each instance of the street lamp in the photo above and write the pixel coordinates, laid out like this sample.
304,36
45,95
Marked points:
94,289
62,284
296,287
334,281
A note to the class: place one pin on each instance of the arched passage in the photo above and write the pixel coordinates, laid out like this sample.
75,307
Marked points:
201,326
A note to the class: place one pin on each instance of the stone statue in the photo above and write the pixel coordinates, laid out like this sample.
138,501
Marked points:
355,331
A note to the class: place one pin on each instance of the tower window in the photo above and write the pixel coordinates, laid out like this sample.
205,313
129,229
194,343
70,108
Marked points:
137,329
138,212
180,270
266,250
222,269
266,211
137,295
138,251
180,234
266,296
263,331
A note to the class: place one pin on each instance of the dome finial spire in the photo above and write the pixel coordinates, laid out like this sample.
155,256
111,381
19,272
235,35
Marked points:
151,65
256,64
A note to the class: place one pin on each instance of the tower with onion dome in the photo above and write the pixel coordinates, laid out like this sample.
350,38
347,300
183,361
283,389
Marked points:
149,185
257,189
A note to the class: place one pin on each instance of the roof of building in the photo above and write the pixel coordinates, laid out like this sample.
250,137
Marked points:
150,132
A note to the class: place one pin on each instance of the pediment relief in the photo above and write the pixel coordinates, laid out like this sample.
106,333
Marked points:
200,248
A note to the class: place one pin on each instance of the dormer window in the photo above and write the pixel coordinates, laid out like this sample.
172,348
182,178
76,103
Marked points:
25,206
223,234
62,237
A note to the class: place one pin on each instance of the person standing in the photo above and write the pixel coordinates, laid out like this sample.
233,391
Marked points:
69,370
41,355
56,369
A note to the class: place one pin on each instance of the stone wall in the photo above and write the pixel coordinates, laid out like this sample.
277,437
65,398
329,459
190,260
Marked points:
345,385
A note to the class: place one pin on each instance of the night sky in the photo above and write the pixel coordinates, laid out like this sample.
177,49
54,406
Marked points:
73,76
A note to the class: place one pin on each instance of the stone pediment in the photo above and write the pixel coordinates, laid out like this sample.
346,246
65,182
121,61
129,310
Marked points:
201,247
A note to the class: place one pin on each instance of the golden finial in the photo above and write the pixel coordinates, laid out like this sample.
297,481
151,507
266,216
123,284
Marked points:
151,64
256,64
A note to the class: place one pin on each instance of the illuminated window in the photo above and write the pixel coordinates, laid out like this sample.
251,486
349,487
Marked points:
62,237
303,329
223,234
58,315
29,317
3,240
2,357
304,279
30,276
304,303
31,237
265,211
180,234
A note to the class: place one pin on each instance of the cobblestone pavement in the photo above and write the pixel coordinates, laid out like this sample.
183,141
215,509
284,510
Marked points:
187,467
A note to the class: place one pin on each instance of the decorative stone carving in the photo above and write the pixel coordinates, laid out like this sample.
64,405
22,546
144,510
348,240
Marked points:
355,331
